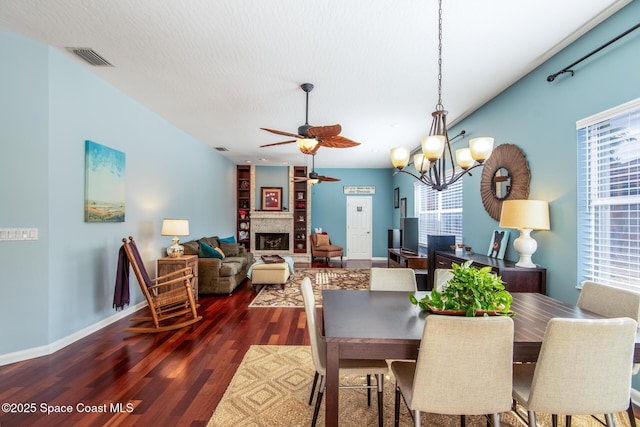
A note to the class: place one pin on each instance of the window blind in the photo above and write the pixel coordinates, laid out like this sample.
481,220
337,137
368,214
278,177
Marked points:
440,212
609,197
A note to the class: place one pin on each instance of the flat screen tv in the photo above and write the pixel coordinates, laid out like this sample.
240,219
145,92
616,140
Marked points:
410,235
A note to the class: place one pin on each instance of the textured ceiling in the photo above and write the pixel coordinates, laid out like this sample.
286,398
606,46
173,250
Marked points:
222,69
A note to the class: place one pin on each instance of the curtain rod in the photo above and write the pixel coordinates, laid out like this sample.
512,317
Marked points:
568,69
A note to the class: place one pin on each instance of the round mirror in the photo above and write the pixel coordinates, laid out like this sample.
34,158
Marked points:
501,183
505,176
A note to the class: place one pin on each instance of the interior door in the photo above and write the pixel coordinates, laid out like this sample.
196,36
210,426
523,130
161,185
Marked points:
359,240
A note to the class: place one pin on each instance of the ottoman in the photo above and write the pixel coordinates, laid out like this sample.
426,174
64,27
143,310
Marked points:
270,274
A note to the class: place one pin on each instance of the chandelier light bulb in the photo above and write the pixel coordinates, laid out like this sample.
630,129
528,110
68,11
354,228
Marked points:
421,163
463,158
481,148
433,146
400,157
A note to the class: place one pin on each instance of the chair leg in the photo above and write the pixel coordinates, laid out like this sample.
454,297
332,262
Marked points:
567,420
380,381
493,419
632,416
416,418
463,421
554,420
368,389
532,419
609,419
313,387
318,400
396,414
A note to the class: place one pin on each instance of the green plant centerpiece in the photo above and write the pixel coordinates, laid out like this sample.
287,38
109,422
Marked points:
471,291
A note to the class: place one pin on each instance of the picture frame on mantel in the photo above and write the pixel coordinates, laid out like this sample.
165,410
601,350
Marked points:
271,198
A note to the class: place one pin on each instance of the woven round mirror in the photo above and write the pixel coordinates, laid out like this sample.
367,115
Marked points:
505,176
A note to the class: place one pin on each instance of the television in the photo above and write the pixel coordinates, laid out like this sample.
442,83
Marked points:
410,235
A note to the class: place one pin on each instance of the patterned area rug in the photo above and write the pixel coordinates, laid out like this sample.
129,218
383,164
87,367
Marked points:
272,385
321,278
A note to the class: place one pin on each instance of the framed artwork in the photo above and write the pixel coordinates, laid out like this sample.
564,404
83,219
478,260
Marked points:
104,191
271,198
396,198
498,245
403,207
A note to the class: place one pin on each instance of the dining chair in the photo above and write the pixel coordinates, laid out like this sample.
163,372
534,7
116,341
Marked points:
611,301
379,368
440,278
464,367
584,368
392,279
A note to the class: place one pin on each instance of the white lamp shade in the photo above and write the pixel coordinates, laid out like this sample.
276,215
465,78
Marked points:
463,158
175,227
307,145
400,157
525,214
433,146
481,148
421,163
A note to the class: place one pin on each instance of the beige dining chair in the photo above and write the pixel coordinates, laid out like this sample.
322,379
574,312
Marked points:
379,368
464,367
584,368
440,278
611,301
392,279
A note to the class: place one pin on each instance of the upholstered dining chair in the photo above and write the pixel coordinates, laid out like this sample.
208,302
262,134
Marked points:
464,367
392,279
379,368
584,368
611,301
440,278
321,247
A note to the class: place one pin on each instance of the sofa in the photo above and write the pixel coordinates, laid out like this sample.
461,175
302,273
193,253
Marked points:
219,271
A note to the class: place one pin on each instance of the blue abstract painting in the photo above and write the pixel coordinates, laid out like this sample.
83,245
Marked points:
104,183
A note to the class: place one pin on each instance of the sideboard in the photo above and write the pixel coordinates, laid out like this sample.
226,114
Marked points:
516,279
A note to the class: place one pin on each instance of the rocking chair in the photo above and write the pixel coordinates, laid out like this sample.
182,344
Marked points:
169,296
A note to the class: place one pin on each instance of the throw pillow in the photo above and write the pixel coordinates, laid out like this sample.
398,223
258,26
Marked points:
322,240
230,239
207,251
211,241
230,249
191,247
220,251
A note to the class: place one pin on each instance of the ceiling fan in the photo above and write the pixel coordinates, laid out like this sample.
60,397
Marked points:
313,176
311,138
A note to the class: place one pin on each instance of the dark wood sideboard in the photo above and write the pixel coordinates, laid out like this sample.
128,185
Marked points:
399,258
516,279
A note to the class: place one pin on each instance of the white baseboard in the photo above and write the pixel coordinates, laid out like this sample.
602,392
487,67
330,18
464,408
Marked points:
45,350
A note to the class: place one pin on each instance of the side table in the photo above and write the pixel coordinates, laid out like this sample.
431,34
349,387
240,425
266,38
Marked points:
167,265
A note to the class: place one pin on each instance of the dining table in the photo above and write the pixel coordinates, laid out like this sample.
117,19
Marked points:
364,324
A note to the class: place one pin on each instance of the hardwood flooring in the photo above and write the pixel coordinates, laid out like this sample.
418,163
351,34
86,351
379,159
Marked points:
171,378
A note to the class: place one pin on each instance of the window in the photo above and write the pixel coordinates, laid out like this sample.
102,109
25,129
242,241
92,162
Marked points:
609,197
440,212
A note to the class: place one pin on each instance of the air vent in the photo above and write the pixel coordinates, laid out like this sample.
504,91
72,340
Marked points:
89,55
221,148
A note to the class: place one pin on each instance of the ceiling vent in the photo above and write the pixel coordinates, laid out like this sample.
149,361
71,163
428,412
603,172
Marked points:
221,148
90,56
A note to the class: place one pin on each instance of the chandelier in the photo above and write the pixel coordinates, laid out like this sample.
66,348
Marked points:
431,163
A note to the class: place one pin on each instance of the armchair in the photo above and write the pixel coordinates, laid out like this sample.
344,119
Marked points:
321,247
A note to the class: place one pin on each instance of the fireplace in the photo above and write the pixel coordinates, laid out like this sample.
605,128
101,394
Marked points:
272,241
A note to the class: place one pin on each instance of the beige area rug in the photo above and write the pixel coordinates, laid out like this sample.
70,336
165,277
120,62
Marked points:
321,278
272,385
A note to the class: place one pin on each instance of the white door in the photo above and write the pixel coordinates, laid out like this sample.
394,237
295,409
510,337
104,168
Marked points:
359,238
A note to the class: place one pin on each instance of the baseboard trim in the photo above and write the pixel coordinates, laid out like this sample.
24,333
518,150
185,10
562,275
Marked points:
45,350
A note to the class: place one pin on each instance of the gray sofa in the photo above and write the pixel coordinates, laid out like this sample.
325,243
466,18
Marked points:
219,276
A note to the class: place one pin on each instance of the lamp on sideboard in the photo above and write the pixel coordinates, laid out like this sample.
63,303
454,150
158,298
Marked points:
175,227
526,216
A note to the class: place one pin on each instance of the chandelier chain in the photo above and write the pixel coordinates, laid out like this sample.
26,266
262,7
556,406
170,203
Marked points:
439,106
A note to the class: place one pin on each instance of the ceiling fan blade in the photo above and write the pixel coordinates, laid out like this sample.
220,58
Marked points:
327,178
322,132
280,132
277,143
338,142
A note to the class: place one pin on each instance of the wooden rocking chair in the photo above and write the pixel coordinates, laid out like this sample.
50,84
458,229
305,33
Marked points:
169,296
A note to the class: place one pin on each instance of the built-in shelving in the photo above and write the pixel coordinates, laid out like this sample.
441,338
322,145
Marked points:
300,209
243,204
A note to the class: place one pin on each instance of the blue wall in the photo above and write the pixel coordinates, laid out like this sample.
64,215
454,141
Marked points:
63,282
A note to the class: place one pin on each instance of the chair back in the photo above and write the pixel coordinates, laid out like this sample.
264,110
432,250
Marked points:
441,277
392,279
609,301
318,343
584,367
464,365
136,262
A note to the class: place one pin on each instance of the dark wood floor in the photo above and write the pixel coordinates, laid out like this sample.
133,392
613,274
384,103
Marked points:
171,378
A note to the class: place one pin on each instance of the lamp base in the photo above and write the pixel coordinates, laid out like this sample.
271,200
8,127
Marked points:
526,246
175,250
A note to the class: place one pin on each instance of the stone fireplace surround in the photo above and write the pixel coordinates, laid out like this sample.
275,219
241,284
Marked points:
274,222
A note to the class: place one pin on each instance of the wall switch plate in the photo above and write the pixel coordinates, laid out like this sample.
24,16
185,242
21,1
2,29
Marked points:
18,234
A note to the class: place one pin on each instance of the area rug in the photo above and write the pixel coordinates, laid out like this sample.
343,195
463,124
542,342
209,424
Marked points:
272,385
321,278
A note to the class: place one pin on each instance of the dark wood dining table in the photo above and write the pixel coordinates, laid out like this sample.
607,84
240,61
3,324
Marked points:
385,325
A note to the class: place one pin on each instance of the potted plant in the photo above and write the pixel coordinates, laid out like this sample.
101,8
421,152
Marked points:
471,291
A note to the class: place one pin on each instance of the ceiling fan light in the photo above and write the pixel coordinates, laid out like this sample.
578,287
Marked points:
463,158
314,181
400,157
421,163
433,146
481,148
307,145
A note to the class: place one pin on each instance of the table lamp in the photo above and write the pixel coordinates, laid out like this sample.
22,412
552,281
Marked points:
525,215
175,227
